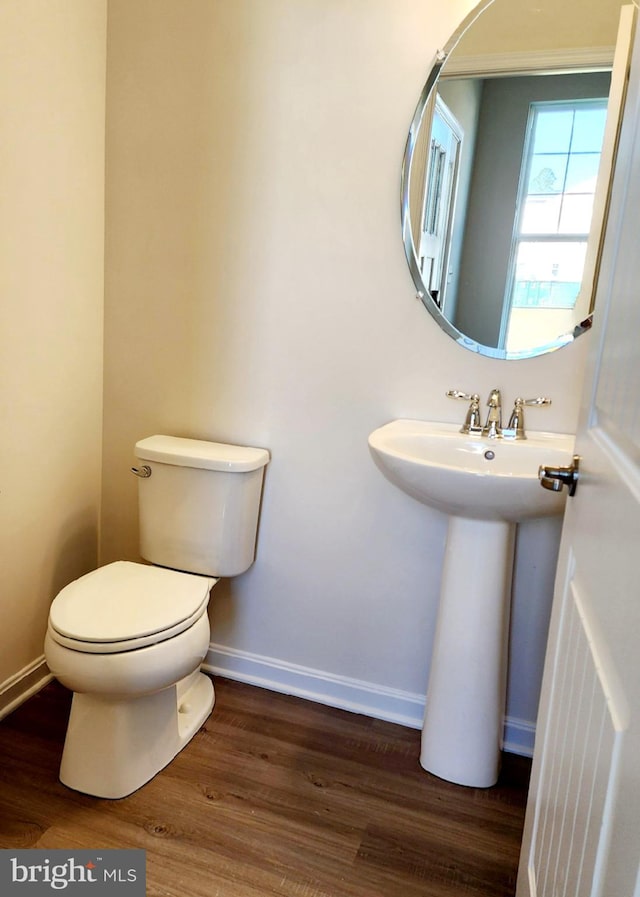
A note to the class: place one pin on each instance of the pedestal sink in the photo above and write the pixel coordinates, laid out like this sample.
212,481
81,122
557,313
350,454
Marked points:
486,486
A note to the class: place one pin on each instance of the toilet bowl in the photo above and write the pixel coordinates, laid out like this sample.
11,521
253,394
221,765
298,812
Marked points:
128,638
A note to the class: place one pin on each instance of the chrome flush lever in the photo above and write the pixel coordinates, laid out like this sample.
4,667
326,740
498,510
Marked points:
556,478
144,471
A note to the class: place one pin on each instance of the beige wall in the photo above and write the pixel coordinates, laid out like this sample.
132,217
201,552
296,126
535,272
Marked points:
257,292
52,97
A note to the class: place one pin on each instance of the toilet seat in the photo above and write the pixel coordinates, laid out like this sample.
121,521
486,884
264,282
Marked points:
124,606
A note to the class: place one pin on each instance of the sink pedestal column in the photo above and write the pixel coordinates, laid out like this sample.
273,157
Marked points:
465,705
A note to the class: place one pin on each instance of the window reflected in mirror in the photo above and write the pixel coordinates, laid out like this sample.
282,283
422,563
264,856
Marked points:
554,209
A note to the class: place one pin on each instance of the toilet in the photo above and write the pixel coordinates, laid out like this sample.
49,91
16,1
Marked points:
128,638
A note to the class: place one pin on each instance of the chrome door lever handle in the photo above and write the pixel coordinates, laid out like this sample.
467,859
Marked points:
556,478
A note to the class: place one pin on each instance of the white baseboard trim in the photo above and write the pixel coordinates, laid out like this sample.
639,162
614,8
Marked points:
355,695
21,686
519,736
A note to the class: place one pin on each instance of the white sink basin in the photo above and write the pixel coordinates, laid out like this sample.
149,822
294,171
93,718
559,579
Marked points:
486,486
471,476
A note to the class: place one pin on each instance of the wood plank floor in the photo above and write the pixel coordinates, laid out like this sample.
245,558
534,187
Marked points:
274,796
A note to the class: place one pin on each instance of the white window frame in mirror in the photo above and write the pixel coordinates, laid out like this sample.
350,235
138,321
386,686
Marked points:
554,233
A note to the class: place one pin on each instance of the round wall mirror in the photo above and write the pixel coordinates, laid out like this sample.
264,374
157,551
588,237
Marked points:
507,168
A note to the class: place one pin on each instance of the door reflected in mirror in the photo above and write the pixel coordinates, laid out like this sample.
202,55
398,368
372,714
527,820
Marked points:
502,201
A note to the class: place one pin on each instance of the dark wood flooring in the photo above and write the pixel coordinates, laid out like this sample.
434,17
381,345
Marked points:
274,796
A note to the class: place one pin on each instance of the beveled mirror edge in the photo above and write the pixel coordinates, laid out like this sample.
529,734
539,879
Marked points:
437,63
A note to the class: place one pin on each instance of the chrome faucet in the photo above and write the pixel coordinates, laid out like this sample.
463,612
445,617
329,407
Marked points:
493,425
493,428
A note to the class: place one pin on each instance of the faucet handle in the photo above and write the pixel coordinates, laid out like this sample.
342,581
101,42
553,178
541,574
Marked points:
472,422
457,394
540,400
515,430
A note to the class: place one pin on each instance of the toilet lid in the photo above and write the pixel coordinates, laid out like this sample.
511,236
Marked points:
128,603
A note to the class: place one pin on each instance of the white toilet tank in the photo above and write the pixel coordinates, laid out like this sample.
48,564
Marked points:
199,504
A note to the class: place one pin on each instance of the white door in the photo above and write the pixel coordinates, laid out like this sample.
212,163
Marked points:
439,200
582,830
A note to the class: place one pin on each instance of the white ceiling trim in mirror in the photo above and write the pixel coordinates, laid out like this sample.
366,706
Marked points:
559,61
464,56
